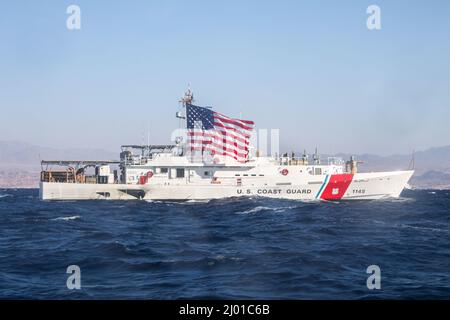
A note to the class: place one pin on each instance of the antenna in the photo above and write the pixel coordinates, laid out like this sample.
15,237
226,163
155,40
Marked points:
412,163
188,97
316,157
148,138
40,160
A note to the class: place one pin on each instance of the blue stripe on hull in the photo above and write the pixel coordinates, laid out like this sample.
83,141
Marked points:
323,186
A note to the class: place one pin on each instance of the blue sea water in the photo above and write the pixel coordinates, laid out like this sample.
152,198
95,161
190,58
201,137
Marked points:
232,248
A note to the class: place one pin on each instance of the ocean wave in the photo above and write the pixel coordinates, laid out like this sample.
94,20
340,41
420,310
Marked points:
198,201
422,228
67,218
273,209
397,200
165,202
256,210
5,195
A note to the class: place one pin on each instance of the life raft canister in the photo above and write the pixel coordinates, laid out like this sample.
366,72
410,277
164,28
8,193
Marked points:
144,179
284,172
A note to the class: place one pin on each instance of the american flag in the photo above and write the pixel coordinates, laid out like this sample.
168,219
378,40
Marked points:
218,134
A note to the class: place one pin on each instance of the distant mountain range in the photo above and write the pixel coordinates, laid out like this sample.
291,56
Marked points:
430,159
13,153
20,163
432,166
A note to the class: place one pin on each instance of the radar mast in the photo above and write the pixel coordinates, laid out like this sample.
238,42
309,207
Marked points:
188,97
186,100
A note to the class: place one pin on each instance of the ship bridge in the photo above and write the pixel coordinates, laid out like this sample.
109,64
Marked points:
144,153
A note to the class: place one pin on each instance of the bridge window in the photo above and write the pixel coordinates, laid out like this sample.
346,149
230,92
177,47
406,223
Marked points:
317,171
180,173
164,170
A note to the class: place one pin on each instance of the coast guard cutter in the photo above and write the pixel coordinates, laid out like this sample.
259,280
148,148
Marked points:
213,159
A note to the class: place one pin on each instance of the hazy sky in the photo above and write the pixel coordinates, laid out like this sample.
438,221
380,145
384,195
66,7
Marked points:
310,68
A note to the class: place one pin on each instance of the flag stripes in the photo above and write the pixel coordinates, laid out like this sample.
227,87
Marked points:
213,132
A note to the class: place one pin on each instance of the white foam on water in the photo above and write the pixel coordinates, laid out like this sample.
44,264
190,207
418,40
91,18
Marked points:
177,202
67,218
5,195
198,201
422,228
262,208
255,210
394,199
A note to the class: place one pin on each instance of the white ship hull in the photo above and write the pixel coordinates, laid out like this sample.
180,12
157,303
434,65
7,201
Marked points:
340,186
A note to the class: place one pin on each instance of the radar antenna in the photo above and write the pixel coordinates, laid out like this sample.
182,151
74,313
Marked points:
188,97
316,157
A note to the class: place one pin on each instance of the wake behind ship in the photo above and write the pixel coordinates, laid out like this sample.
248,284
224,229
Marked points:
214,160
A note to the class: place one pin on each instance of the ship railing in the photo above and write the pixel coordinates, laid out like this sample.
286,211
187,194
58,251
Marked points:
66,176
335,161
303,161
292,161
70,177
135,160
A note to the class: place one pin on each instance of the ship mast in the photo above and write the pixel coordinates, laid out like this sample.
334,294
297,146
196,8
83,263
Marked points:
187,99
184,101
